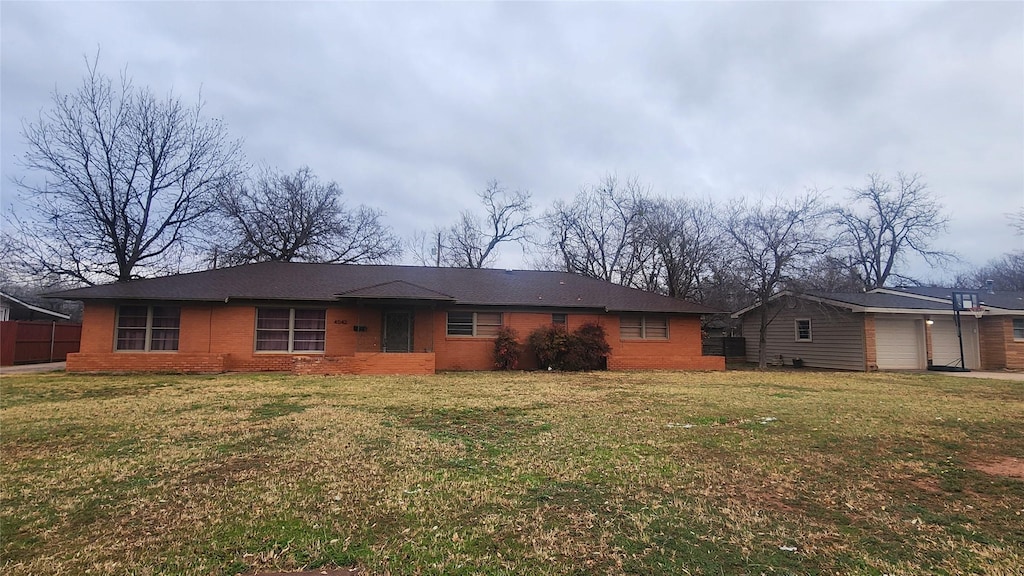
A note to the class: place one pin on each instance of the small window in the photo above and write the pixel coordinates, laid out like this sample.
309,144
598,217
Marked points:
559,319
482,324
290,329
460,323
1018,329
803,330
643,327
148,328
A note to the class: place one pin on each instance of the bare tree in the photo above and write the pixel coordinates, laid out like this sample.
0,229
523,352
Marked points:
425,246
472,241
125,180
886,222
829,273
601,234
686,239
1017,221
296,217
1005,272
772,243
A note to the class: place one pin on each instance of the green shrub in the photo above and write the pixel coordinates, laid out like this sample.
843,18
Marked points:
507,349
557,349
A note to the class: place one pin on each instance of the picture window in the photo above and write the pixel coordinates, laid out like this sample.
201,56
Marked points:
290,329
148,328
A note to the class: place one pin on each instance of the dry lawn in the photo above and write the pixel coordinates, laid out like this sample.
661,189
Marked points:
512,473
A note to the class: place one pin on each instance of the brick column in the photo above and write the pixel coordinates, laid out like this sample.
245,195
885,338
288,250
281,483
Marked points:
870,347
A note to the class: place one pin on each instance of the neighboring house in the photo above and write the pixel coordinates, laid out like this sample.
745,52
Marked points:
1000,327
12,308
32,334
889,329
332,318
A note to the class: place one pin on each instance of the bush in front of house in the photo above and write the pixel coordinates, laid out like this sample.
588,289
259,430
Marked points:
549,344
507,349
592,347
556,349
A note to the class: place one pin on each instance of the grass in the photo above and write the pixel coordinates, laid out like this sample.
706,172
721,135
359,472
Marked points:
511,473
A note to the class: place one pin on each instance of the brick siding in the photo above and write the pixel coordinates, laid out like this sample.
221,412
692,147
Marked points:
991,338
870,343
145,362
998,348
216,338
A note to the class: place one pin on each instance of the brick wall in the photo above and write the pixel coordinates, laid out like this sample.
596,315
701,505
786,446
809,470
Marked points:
367,363
870,343
1014,349
993,341
998,348
98,328
222,338
681,352
145,362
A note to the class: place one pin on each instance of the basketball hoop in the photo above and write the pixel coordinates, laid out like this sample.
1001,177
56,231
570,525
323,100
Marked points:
977,311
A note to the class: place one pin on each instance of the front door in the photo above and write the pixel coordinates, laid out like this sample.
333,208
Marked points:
397,332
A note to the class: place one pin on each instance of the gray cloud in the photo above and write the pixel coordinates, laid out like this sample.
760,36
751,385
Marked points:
412,107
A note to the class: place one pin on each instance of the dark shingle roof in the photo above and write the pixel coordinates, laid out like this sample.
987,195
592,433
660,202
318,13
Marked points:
4,297
934,300
328,282
880,300
396,290
998,299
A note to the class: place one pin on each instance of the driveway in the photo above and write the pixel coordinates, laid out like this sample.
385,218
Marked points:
1018,376
28,368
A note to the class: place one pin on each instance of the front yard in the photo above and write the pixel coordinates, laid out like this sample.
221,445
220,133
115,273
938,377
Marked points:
513,473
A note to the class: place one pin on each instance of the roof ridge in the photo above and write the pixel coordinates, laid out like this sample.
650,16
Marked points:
396,281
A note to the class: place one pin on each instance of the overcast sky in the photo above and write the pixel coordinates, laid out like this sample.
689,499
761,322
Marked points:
413,107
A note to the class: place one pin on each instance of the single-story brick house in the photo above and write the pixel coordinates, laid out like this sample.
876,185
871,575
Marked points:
359,319
889,329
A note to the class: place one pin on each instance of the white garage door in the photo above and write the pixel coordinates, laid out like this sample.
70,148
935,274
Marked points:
899,343
946,346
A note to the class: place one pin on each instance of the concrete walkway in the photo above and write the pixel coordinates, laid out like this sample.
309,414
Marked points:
29,368
1018,376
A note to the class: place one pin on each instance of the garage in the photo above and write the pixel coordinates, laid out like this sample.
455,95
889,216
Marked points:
946,345
899,343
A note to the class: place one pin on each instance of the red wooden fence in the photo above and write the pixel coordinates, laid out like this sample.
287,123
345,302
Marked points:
30,342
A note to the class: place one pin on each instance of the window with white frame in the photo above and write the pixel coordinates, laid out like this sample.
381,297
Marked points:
560,320
291,329
481,324
643,327
802,329
148,328
1018,329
